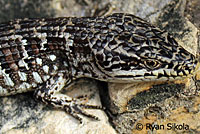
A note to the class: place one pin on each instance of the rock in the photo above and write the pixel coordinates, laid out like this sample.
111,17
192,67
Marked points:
137,107
22,114
127,104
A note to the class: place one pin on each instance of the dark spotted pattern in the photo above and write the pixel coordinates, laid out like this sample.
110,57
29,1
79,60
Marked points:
47,54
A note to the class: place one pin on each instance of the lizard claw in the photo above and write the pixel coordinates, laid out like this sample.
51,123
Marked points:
74,109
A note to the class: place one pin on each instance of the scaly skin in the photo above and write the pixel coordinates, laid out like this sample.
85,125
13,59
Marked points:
45,55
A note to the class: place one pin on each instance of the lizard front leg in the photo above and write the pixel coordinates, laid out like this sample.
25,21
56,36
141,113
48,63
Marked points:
49,93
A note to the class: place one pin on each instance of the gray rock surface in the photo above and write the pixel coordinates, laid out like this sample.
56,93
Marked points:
22,114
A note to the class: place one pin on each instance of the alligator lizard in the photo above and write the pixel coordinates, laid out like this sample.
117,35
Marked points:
47,55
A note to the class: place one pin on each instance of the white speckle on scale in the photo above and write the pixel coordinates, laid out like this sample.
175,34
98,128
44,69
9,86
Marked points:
46,69
24,42
46,77
1,73
34,84
55,67
24,86
17,26
18,37
25,54
39,61
43,36
22,63
69,43
22,76
2,90
52,57
7,79
67,35
37,77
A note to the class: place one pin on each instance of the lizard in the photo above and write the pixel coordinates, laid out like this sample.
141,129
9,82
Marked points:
48,54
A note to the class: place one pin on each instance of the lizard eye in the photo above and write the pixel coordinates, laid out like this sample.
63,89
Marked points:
151,64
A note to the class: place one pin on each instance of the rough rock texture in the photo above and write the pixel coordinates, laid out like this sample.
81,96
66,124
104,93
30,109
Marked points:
127,105
168,107
192,12
22,114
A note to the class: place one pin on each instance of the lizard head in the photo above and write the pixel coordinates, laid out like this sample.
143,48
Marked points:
135,50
